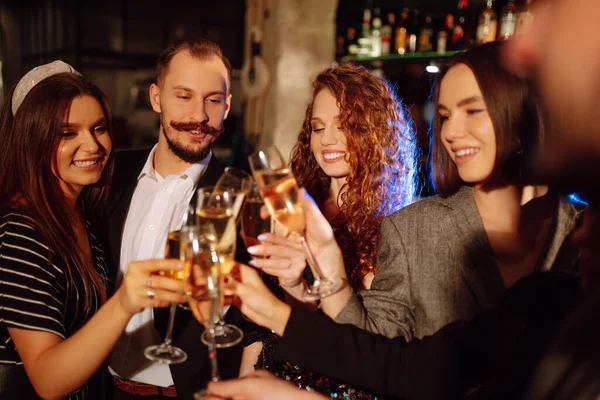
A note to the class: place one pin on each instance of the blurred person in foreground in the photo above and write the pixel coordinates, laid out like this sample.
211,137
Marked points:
569,83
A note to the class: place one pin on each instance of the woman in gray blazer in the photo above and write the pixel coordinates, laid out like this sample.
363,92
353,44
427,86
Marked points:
448,257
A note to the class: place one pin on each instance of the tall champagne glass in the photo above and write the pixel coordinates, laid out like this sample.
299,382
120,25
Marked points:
279,190
204,289
252,224
183,218
238,182
215,208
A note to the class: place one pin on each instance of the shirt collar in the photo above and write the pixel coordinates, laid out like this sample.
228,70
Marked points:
194,171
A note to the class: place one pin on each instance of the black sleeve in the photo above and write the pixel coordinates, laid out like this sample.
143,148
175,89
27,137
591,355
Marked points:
423,369
497,349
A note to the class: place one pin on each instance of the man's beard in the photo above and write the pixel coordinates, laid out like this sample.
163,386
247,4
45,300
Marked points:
190,154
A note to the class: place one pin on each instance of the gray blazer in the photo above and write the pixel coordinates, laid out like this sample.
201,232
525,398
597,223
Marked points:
436,266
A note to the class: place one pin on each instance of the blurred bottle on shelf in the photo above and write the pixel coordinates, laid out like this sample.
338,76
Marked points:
401,37
366,24
461,35
413,31
376,34
426,35
365,47
387,32
508,21
340,48
444,36
351,43
487,24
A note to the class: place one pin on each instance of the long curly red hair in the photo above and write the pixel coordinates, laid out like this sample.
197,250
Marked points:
382,158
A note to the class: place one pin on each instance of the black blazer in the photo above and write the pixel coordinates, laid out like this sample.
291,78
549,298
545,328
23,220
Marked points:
195,372
495,353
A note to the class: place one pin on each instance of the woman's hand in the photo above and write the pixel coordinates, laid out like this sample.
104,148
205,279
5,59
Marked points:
319,237
259,304
142,286
259,385
286,257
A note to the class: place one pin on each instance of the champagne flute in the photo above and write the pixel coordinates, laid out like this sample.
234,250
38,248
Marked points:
252,224
279,190
182,219
204,289
238,182
215,208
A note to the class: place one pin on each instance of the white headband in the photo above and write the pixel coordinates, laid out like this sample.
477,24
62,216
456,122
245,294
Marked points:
33,77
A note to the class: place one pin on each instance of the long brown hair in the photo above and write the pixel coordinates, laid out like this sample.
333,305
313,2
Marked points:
27,159
515,117
381,148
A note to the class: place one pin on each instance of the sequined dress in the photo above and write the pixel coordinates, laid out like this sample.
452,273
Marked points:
307,379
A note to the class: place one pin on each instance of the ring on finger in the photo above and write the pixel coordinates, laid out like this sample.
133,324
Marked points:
150,293
149,281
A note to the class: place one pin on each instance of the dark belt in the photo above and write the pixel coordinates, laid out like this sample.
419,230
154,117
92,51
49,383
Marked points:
143,389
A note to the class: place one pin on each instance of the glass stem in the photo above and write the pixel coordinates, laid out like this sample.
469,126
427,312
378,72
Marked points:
212,356
312,263
172,311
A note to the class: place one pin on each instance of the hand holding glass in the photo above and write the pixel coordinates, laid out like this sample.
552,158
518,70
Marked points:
183,218
280,192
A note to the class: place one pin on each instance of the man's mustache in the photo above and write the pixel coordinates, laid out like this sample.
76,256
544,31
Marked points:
194,126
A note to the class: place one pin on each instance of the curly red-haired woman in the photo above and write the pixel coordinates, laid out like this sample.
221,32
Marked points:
356,156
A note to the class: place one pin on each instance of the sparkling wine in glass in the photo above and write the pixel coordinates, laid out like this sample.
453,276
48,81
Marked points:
238,182
183,218
214,209
252,224
204,288
279,190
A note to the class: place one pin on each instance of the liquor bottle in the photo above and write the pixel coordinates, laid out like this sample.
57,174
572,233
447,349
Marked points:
508,21
444,36
426,35
413,31
364,42
340,49
386,34
524,18
487,24
366,23
376,34
401,40
460,31
351,43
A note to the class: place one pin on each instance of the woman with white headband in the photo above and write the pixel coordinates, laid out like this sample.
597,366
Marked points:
56,324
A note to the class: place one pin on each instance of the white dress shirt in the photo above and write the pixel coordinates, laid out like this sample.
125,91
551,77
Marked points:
144,237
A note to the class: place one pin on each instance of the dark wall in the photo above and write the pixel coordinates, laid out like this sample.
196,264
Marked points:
123,33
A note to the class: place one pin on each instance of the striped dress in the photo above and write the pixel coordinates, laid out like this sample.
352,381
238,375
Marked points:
35,295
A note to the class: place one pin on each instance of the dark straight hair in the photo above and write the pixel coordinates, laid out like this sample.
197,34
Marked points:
515,117
30,142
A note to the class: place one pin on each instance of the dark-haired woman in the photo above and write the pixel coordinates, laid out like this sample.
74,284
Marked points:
448,257
56,324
